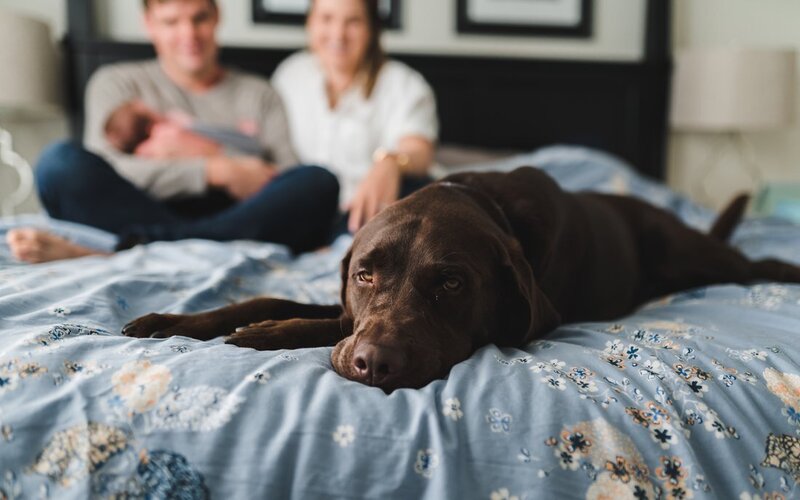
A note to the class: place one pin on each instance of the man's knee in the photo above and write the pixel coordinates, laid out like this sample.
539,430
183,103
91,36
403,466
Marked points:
65,167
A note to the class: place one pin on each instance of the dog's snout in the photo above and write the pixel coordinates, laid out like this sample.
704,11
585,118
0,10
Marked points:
376,364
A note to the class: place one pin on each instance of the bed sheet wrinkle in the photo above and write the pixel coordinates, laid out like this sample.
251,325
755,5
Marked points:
693,396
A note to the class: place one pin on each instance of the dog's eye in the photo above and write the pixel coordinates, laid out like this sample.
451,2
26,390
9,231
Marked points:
364,276
451,284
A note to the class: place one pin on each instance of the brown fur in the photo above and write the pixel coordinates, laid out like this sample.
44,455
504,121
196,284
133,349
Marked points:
478,259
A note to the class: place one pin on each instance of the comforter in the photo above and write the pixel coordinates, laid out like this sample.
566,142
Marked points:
695,395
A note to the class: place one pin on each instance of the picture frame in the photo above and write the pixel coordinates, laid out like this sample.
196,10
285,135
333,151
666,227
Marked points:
552,18
293,12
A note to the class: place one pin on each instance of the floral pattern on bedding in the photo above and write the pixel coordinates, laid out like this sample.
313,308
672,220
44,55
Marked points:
695,395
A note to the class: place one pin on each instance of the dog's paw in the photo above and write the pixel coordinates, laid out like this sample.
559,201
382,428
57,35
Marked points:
257,328
251,340
263,336
152,325
294,333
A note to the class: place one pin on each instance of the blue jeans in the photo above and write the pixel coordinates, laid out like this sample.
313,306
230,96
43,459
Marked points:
296,208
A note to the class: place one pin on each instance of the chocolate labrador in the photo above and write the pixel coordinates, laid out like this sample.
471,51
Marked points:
482,258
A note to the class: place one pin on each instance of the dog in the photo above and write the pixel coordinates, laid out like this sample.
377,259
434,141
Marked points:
481,258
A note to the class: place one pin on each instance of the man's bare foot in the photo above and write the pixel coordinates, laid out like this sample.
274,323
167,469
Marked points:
34,246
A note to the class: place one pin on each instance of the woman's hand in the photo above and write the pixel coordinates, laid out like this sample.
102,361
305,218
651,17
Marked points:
380,188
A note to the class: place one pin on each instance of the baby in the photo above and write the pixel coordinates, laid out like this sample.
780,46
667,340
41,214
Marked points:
132,123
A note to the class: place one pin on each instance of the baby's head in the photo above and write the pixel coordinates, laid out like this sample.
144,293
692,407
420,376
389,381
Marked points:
129,125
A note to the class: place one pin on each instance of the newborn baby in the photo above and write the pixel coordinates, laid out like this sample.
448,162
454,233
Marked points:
132,124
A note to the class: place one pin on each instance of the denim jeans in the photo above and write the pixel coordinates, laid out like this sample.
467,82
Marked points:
297,208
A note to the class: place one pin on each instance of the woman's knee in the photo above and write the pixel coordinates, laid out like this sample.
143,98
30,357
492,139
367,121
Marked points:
317,180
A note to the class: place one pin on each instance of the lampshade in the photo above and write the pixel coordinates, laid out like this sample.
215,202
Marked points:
733,89
28,65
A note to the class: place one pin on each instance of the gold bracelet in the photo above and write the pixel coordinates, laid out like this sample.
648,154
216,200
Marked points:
403,160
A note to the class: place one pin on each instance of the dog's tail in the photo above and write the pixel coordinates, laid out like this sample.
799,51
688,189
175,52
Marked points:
729,218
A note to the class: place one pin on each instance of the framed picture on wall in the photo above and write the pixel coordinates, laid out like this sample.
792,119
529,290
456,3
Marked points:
559,18
294,12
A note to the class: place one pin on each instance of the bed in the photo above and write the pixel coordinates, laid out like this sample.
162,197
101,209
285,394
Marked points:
695,395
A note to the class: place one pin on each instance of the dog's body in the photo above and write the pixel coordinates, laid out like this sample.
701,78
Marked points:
478,259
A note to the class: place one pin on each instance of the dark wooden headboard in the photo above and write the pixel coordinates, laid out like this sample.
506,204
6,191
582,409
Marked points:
496,103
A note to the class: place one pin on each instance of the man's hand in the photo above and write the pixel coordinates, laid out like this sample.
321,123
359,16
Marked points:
380,188
170,140
241,176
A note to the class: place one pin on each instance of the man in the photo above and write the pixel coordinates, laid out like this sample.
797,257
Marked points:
180,184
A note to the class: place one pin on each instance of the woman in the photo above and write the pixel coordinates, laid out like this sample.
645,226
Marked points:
372,121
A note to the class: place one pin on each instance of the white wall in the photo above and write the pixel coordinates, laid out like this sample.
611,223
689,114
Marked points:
54,12
726,23
428,26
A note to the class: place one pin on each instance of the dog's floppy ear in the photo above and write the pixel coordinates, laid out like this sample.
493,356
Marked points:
344,270
525,313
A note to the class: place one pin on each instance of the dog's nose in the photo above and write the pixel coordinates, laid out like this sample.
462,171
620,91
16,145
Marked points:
377,364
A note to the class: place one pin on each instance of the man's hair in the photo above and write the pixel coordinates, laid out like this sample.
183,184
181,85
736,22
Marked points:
147,3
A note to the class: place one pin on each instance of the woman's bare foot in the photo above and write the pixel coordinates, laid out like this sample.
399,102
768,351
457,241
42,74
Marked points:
34,246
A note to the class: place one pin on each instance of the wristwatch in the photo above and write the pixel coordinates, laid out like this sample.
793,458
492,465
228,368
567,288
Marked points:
403,160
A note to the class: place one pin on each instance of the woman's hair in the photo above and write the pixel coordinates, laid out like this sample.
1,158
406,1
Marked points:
374,56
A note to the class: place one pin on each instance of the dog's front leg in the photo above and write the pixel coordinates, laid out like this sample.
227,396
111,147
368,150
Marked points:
291,333
210,324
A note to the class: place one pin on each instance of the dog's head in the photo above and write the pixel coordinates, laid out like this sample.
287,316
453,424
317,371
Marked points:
430,280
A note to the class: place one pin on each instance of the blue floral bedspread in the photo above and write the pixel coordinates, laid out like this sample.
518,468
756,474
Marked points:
696,395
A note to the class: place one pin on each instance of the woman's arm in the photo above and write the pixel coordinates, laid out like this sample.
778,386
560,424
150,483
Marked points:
381,186
410,130
413,156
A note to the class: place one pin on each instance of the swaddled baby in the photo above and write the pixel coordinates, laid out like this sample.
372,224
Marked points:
133,122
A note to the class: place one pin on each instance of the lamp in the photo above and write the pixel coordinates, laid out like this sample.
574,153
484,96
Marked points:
733,91
28,90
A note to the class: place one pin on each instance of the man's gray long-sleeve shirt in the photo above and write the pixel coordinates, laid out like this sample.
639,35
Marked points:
237,99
